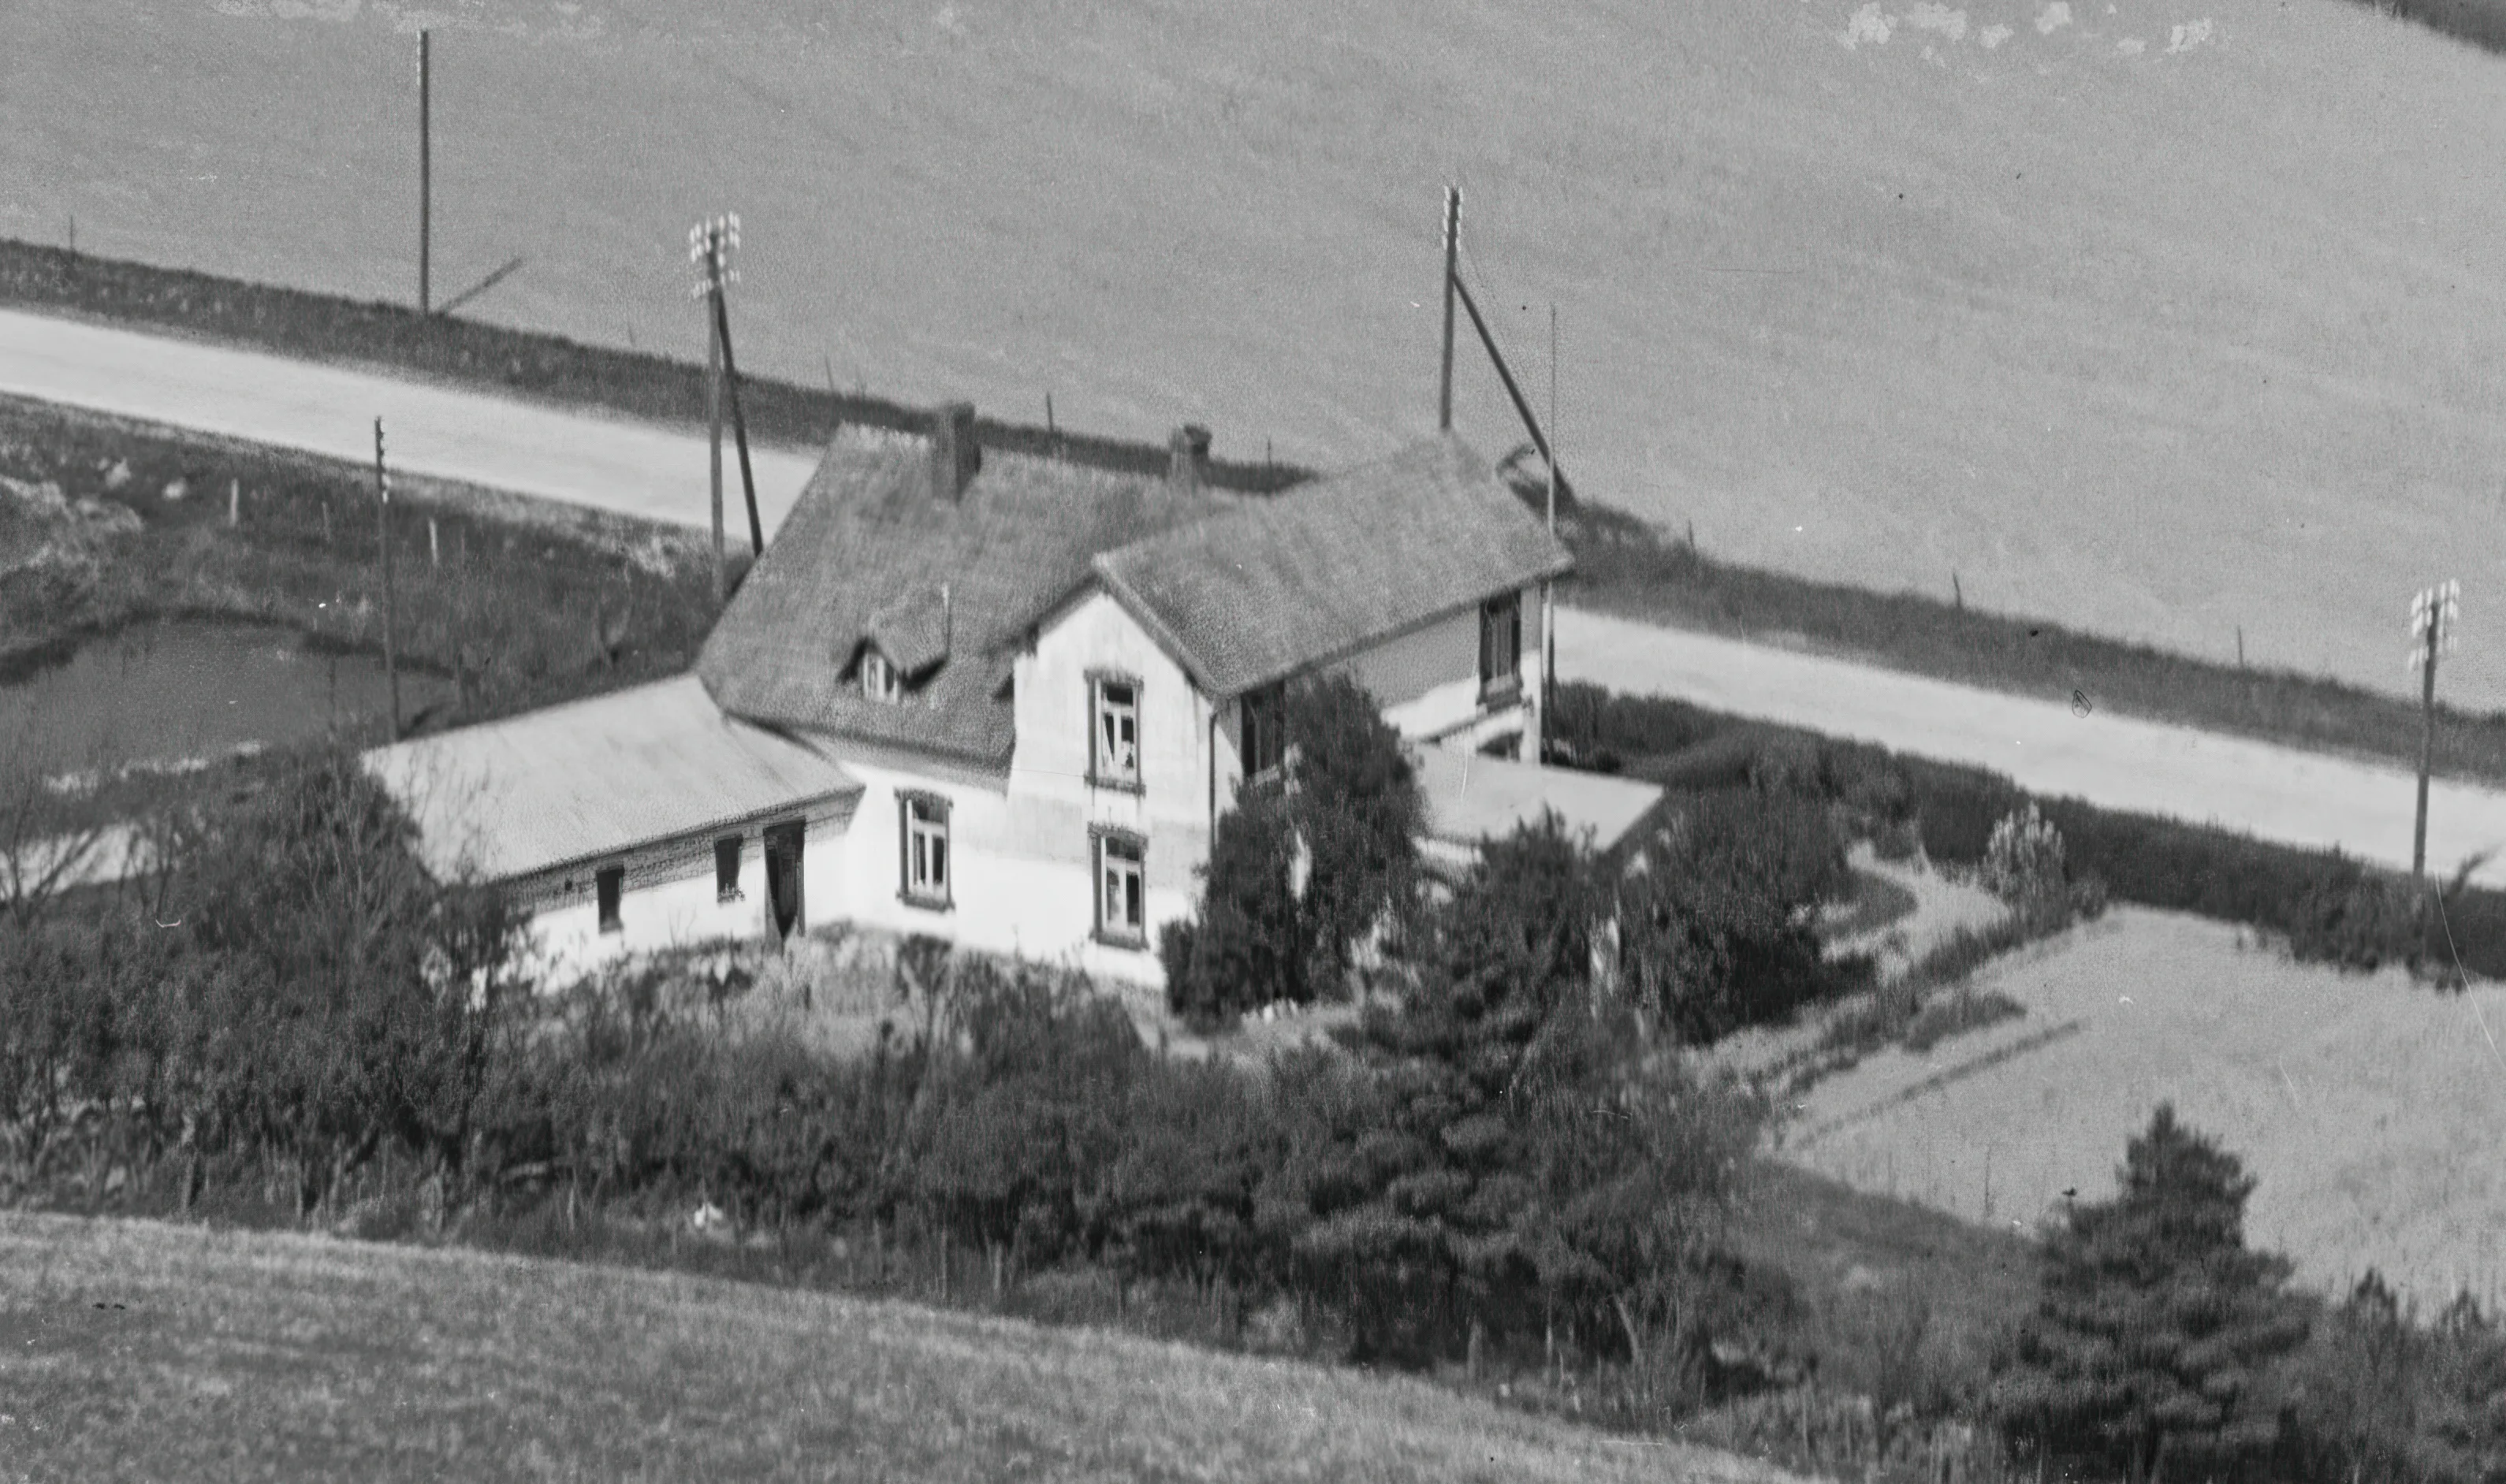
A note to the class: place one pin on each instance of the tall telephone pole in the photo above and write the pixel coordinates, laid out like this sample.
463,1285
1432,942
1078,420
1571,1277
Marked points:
2434,613
1548,589
425,177
709,247
382,527
1452,248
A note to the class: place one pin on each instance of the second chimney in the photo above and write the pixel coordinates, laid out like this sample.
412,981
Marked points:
1188,456
954,453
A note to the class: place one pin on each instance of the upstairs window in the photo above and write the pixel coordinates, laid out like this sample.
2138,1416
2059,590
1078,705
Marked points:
1501,648
1113,755
1122,893
878,677
726,868
924,848
1265,728
609,885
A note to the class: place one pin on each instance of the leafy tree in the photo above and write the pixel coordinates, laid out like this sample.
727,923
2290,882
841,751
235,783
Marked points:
335,996
1249,945
1354,801
1716,931
1024,1123
2155,1321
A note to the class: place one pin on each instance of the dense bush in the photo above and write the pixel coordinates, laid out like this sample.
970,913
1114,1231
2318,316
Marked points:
2328,908
1717,931
1347,821
1249,945
293,983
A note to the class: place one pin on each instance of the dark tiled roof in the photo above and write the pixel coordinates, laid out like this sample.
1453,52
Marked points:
870,541
1305,576
913,631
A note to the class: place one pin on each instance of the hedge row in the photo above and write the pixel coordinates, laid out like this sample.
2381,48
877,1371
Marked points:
2328,905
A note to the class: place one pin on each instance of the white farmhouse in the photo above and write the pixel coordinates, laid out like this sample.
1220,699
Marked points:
1003,699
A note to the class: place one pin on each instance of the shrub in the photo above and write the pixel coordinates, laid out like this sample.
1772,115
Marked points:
1353,802
1717,931
2023,862
1250,944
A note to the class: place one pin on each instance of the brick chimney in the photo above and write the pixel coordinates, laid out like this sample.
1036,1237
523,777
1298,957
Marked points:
954,453
1188,457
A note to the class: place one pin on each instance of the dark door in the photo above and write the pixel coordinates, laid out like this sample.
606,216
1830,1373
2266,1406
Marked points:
783,887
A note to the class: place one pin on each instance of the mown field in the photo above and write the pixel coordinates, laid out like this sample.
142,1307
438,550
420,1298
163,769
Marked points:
2368,1108
2144,319
141,1349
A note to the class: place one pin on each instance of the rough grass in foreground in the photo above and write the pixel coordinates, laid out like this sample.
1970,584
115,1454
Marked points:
145,1349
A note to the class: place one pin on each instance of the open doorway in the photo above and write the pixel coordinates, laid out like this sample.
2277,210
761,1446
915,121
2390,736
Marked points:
784,899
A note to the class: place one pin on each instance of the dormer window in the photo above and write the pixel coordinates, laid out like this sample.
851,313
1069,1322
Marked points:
1114,748
878,677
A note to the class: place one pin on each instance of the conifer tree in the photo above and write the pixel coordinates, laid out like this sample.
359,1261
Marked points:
2155,1319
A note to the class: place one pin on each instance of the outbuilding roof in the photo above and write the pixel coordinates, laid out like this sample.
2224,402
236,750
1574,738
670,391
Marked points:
1471,797
593,778
1279,585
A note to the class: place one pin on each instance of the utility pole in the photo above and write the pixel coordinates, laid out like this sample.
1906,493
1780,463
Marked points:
713,415
1452,248
383,526
2434,613
425,176
709,246
1549,589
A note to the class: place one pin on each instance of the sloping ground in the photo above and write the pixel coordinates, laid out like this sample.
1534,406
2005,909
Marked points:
2154,317
145,1351
2370,1108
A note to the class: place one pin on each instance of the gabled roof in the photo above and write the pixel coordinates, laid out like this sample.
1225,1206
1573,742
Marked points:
913,632
867,549
1302,577
593,778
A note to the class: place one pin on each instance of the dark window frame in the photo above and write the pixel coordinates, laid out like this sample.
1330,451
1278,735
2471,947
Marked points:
1098,774
726,852
1501,636
1262,733
1099,838
609,897
945,897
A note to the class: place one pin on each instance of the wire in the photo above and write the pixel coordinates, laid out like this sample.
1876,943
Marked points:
2463,977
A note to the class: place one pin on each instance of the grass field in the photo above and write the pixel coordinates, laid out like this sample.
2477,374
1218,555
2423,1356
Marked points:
137,1350
2369,1108
2158,318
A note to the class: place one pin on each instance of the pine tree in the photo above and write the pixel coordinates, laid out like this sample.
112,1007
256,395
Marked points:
2155,1319
1437,1233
